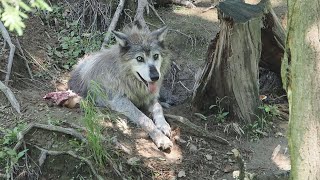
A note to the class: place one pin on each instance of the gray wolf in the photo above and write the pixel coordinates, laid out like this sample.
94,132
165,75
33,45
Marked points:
130,74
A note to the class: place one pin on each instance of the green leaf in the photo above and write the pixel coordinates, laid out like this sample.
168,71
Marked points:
225,114
24,6
59,54
66,66
65,46
267,108
20,154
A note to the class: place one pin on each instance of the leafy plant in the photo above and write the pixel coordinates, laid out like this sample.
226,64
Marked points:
259,128
270,110
13,13
8,156
72,45
221,114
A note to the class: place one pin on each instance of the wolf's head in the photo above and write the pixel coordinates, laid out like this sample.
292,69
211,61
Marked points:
144,52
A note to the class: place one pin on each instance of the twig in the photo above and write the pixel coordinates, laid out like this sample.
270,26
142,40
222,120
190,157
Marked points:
6,36
25,58
29,54
9,94
71,153
184,86
196,129
156,13
113,23
211,7
69,131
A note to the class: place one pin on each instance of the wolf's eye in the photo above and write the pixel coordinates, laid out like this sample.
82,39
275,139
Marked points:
155,56
140,59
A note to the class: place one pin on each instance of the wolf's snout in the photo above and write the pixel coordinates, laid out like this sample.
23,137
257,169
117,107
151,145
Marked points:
154,75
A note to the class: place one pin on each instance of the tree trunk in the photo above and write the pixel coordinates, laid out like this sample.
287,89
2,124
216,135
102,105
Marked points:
301,79
233,58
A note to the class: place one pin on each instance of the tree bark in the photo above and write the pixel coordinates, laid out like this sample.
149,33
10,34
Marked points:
233,57
250,35
301,79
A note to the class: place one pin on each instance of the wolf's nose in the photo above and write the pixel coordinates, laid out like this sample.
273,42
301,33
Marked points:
154,77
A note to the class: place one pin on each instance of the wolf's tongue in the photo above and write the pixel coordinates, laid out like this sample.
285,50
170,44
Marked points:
152,86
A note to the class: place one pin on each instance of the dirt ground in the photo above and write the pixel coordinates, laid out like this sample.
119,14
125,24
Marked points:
192,157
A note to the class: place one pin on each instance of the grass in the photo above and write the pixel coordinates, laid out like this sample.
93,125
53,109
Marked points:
92,123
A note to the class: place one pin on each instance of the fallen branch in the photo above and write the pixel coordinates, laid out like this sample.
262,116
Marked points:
68,131
196,129
9,94
113,23
45,152
7,38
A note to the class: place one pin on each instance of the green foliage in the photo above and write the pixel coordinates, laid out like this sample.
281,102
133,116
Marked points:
8,156
262,125
13,13
221,114
73,45
270,110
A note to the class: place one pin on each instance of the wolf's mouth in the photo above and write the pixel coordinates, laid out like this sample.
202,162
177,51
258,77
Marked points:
152,86
144,81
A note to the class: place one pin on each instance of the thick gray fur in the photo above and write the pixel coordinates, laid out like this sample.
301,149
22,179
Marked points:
114,70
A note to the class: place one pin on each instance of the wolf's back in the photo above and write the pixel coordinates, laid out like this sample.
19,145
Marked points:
96,67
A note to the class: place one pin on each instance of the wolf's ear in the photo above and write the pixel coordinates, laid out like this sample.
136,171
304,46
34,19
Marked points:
121,38
160,34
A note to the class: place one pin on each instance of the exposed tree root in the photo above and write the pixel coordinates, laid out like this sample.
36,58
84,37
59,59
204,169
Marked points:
7,38
9,94
45,152
196,129
68,131
113,23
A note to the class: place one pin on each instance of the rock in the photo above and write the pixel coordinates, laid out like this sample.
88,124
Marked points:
192,148
209,157
133,161
182,173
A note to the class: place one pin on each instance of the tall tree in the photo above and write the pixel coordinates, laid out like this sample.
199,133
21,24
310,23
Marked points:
301,78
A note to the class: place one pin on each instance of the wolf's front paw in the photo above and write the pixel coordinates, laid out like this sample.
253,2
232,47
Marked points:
162,141
164,127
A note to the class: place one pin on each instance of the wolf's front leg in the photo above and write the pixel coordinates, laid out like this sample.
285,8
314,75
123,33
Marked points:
127,108
160,121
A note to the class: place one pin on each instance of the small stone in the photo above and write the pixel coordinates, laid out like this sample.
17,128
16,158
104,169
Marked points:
133,161
279,134
193,148
209,157
182,173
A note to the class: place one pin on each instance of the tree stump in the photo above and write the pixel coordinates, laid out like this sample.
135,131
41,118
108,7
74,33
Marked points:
231,71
